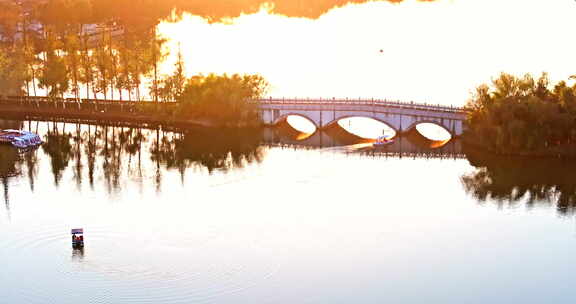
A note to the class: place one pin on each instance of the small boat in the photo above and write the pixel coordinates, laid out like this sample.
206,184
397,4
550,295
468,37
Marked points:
77,238
382,141
20,139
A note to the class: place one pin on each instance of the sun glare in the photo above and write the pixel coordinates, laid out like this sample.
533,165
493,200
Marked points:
377,49
367,128
433,132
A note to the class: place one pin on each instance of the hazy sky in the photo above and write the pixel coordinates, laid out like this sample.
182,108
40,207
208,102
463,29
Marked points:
434,51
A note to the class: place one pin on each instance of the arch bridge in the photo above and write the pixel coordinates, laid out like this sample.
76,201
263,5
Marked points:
400,116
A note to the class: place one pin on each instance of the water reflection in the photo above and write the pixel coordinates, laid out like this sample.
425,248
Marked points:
78,255
114,155
411,144
57,146
211,149
512,181
9,167
10,161
230,237
421,140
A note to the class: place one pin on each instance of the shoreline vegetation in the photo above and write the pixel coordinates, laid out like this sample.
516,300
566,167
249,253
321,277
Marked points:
101,49
110,50
522,116
209,101
214,101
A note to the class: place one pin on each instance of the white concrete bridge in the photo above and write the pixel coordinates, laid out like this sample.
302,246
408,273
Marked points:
400,116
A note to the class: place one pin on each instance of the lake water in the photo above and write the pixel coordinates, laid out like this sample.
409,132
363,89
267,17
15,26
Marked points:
199,216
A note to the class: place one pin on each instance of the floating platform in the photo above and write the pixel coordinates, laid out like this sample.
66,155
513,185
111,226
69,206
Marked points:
20,139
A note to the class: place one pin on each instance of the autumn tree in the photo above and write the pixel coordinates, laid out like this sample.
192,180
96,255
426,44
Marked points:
223,99
521,114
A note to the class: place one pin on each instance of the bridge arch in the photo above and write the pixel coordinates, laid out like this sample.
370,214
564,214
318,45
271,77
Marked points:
339,118
399,116
429,121
285,116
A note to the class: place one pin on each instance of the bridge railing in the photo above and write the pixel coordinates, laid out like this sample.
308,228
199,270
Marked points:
370,102
31,99
55,102
70,105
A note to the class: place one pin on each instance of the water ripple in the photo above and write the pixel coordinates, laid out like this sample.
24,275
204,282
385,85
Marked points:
112,269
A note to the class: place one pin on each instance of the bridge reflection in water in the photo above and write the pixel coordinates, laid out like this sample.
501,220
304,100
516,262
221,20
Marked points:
111,158
83,144
111,153
410,144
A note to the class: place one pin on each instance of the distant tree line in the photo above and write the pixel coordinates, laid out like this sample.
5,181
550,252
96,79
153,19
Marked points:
523,115
62,46
110,49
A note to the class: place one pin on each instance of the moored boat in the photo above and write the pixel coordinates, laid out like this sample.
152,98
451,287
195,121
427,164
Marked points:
20,139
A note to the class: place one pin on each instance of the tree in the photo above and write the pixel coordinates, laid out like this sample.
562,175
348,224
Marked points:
54,76
522,115
13,70
171,87
225,100
9,18
72,60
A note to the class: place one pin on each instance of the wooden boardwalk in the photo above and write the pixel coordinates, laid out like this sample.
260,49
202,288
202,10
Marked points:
88,110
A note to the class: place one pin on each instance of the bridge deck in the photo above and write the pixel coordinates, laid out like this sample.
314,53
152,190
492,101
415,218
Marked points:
363,102
265,101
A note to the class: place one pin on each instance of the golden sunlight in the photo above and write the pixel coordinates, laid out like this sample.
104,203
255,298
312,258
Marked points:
433,132
301,124
366,128
380,49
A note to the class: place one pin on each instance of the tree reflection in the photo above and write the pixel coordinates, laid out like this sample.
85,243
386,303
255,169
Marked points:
90,150
57,146
10,161
78,140
513,180
215,149
31,161
114,154
9,167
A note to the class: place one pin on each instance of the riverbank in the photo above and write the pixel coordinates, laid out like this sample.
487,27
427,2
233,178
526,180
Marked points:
561,152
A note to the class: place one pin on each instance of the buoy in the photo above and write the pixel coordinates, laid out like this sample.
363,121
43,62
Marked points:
77,238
